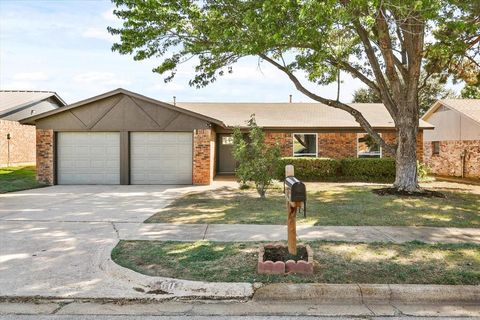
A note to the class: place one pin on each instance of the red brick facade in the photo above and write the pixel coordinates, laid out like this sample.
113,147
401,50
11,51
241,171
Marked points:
285,141
203,141
20,149
336,144
45,156
449,160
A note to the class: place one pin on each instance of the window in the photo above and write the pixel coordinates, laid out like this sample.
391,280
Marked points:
304,144
436,147
367,147
227,140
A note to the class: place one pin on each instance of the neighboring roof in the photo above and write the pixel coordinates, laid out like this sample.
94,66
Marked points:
468,107
31,120
12,99
295,115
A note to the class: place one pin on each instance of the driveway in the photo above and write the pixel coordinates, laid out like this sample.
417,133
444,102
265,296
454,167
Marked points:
54,240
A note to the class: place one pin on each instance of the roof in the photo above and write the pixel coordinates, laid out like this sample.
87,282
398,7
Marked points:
18,98
468,107
295,115
267,115
31,120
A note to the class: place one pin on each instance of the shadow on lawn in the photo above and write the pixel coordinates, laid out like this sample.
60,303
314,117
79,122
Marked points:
335,262
350,206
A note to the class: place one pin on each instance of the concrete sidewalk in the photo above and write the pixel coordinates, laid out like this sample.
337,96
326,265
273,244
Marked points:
243,232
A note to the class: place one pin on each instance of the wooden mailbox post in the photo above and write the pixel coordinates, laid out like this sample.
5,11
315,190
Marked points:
295,196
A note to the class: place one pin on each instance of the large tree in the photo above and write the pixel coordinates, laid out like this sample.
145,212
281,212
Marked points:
380,42
433,90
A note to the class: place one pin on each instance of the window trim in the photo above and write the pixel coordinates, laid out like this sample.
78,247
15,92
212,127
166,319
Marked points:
309,155
358,148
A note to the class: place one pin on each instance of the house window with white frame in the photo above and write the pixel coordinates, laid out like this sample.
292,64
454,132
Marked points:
305,145
367,147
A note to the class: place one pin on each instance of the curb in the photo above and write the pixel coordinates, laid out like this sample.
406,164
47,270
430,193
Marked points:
365,293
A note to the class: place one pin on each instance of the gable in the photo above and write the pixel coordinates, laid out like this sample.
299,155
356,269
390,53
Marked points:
120,112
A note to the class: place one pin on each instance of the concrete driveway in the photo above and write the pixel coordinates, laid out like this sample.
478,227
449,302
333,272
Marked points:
53,240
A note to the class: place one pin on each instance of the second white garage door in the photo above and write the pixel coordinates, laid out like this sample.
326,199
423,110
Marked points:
161,158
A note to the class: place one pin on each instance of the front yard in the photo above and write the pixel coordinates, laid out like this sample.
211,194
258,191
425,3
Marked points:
335,262
18,178
329,204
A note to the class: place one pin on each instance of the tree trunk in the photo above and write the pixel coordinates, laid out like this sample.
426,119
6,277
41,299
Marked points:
406,153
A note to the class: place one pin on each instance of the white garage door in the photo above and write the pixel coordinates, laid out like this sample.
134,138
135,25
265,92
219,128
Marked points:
88,158
161,158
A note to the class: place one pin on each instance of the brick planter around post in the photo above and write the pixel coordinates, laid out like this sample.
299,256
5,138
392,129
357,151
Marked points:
280,267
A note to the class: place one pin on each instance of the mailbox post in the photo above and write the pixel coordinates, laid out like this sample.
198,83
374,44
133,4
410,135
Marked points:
295,194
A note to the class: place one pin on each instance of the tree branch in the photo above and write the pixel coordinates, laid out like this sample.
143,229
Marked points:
377,71
331,103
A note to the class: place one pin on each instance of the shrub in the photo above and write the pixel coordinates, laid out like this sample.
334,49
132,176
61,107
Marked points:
368,169
311,169
348,169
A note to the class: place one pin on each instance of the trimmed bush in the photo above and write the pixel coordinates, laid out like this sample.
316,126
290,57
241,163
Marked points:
368,169
348,169
311,169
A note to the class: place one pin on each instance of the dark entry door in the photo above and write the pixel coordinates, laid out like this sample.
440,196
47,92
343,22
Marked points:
226,162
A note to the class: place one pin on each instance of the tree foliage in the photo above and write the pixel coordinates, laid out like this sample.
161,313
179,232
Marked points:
433,90
257,161
470,92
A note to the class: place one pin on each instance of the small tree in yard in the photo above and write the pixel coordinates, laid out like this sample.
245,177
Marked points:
258,162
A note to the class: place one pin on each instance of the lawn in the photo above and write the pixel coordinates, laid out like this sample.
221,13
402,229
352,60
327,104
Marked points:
328,204
18,178
335,262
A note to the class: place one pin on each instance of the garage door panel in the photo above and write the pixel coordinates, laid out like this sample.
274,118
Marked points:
88,158
161,157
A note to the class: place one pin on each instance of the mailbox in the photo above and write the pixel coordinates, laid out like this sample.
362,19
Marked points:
295,190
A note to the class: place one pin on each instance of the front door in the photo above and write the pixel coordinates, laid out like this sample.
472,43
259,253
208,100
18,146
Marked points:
226,162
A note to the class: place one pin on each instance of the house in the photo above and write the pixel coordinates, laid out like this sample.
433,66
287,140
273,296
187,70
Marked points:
121,137
453,147
17,141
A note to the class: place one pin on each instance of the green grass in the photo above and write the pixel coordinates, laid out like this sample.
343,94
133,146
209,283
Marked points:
328,204
18,178
335,262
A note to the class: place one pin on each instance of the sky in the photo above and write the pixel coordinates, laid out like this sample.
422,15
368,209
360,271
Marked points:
63,46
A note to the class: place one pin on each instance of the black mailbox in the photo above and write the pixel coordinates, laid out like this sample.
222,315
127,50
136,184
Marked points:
295,190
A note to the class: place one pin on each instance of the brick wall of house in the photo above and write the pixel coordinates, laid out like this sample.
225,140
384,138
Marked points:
202,139
21,143
449,162
285,141
45,156
336,144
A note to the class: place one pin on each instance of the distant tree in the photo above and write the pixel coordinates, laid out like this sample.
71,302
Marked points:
470,92
432,90
257,161
364,95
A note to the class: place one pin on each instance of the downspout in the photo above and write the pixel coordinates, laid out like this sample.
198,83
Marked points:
463,155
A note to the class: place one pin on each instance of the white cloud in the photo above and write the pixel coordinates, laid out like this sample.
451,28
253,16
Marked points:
169,87
100,78
30,76
109,16
99,33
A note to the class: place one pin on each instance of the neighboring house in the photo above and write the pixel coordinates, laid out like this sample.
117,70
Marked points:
17,141
453,147
121,137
